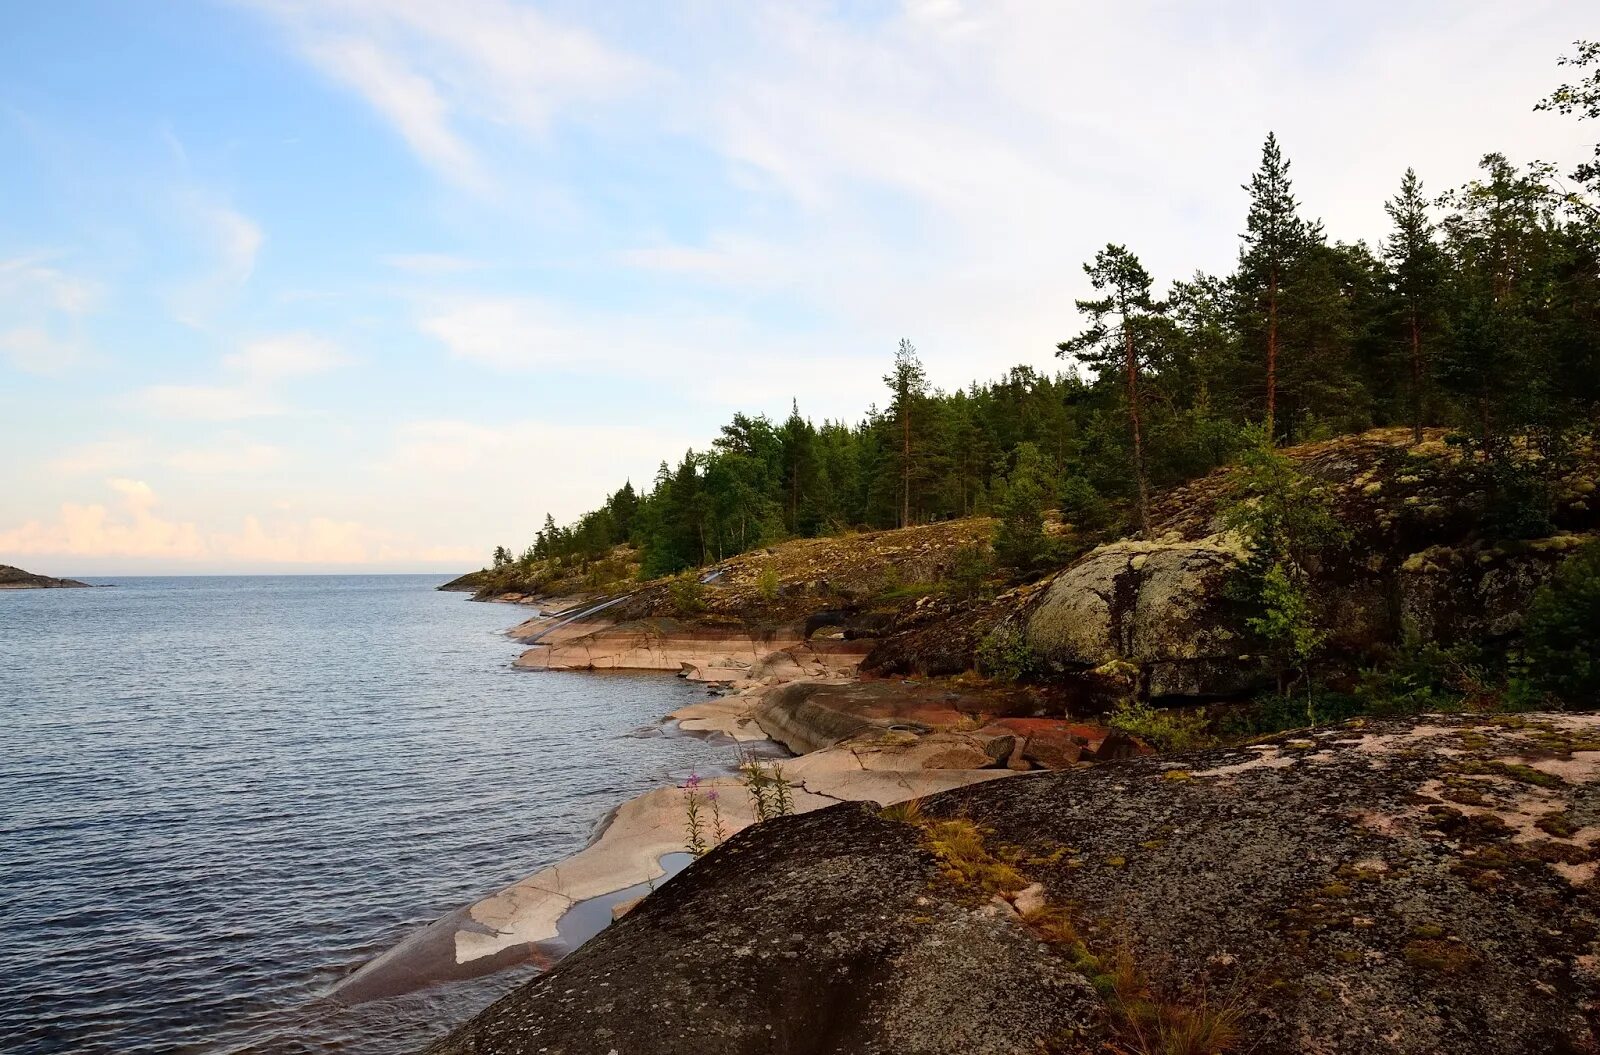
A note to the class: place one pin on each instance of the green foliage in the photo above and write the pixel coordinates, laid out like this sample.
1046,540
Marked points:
687,594
1005,655
1082,506
1518,496
769,790
1165,729
1287,526
767,584
1561,636
970,569
1477,314
1285,618
1019,539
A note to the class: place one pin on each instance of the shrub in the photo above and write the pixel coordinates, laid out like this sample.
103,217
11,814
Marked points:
1163,728
1005,655
1518,498
1561,636
767,584
1019,539
1288,528
970,568
1082,506
687,595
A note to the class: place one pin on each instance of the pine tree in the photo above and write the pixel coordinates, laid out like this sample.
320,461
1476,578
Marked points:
909,383
1119,340
1274,239
1414,264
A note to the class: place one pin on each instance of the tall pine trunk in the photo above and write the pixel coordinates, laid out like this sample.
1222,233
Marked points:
1272,353
1132,364
1417,401
905,462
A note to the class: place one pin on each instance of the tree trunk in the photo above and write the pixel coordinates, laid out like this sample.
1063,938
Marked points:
1416,378
1133,419
1272,352
905,461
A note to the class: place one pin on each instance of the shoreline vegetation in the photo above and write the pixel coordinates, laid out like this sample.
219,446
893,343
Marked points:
1311,548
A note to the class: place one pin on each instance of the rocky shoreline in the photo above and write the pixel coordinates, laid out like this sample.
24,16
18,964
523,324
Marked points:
1332,835
878,742
1414,886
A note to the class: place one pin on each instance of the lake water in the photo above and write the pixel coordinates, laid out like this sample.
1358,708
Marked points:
220,795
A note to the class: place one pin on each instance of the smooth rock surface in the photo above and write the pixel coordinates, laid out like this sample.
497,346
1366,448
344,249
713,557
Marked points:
1403,886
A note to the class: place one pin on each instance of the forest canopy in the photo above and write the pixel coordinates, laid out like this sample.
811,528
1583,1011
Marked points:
1479,310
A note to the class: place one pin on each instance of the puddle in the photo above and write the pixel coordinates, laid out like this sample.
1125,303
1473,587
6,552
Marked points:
588,918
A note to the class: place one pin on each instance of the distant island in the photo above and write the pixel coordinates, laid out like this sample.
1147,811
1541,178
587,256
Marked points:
17,579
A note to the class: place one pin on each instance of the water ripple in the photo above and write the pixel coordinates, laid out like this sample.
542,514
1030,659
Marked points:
220,795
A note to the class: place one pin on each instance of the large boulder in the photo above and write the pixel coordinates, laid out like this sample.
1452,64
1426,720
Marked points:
1476,592
1162,606
1403,887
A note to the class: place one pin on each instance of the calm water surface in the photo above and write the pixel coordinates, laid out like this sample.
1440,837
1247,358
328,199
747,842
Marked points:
220,795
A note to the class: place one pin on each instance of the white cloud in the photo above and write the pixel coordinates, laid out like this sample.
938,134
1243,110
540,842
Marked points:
237,239
495,482
286,356
27,281
406,99
431,263
718,358
46,308
225,457
98,457
423,66
206,402
228,243
257,371
34,350
132,527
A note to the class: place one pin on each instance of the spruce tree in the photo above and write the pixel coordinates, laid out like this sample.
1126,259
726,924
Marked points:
1275,236
909,383
1119,340
1413,261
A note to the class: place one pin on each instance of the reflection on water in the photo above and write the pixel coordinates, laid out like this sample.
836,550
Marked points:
220,795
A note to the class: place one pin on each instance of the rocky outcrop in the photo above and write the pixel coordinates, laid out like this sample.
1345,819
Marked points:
1402,887
1417,567
703,653
1162,606
1475,592
16,579
471,582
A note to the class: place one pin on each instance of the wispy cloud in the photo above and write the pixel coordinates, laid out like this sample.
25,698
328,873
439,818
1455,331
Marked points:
428,68
34,350
132,525
228,242
431,263
407,100
29,280
206,402
49,306
255,375
288,355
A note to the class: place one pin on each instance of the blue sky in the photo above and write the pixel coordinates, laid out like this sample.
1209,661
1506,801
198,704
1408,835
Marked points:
374,284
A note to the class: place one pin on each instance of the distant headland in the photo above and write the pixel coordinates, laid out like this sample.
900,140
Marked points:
17,579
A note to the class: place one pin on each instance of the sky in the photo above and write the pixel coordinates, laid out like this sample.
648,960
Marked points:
373,285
